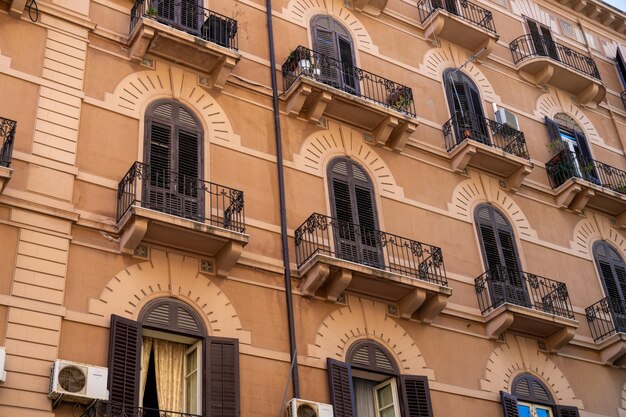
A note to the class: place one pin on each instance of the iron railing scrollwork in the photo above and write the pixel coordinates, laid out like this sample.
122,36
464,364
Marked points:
7,136
606,318
181,196
567,164
190,17
348,78
109,409
475,127
529,46
505,285
349,241
473,13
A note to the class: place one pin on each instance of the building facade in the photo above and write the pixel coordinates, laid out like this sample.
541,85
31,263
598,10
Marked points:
398,209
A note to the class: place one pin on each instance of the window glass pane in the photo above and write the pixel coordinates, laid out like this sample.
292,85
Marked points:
524,410
543,412
191,399
388,412
385,396
192,361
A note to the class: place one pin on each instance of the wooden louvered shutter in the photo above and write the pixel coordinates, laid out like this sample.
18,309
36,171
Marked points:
221,377
367,225
345,239
549,42
509,405
124,361
341,391
166,10
324,44
536,37
188,164
350,82
415,396
554,132
190,16
566,411
621,66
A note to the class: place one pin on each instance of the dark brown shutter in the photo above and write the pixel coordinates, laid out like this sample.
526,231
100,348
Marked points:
554,132
536,38
221,377
613,270
566,411
415,396
370,355
340,385
166,10
509,404
621,66
350,82
190,15
124,362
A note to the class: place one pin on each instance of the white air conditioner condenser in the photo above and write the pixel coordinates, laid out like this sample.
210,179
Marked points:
505,117
77,382
304,408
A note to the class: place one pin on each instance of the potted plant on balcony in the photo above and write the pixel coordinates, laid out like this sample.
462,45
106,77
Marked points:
152,11
400,98
301,57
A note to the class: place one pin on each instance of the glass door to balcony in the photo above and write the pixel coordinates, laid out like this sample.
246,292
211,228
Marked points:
542,41
173,155
466,107
356,230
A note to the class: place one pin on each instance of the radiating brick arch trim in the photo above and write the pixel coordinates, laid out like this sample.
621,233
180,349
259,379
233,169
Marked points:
134,93
437,60
549,104
320,147
521,355
480,188
593,228
367,319
300,12
169,275
622,410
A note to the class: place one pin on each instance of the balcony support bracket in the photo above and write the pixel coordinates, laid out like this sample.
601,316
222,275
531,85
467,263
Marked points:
499,324
615,351
514,181
432,307
140,42
314,278
227,257
222,71
541,78
297,99
411,302
620,220
317,104
573,196
338,281
17,8
461,157
587,96
560,338
133,235
5,176
400,136
384,129
373,7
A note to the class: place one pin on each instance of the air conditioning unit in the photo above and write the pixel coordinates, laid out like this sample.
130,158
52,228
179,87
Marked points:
3,356
303,408
77,382
505,117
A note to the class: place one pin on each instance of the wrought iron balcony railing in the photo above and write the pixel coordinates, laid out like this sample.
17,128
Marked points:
190,17
7,136
623,96
466,10
108,409
606,317
529,46
370,247
504,285
182,196
480,129
335,73
567,164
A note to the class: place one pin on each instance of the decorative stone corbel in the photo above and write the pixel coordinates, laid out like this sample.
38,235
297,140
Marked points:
227,257
133,234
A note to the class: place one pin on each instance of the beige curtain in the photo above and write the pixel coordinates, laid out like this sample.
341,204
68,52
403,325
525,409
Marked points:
168,362
146,349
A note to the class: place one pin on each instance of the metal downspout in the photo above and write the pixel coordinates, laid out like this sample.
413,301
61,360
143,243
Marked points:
281,193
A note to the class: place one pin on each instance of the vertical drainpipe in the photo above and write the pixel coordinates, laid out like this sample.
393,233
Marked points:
283,215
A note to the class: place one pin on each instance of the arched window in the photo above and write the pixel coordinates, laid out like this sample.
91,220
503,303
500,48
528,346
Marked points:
369,385
612,269
500,257
531,398
173,151
465,107
332,40
566,135
162,362
352,203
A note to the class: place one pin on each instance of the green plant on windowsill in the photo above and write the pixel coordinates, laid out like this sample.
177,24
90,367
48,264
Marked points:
152,12
555,146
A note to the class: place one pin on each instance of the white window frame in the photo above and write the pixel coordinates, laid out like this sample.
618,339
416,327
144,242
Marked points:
534,407
197,347
394,393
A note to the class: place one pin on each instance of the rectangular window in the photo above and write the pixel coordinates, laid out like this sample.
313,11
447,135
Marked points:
386,399
193,387
533,410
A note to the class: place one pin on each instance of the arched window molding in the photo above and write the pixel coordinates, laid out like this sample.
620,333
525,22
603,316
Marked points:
612,271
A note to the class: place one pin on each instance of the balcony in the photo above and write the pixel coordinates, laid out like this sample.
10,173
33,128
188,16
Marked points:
473,140
185,33
165,208
7,136
542,61
607,321
579,183
513,300
109,409
334,256
317,85
459,21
